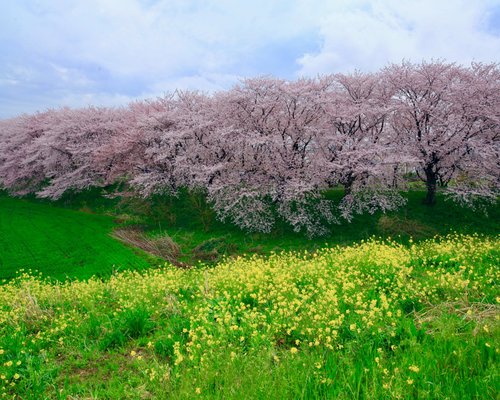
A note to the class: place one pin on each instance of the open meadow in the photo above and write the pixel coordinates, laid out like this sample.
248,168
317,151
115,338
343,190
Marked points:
378,319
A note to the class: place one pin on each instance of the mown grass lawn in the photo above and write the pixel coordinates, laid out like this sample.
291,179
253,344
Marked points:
377,320
59,242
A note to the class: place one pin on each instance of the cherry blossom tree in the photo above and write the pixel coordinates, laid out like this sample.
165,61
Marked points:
356,148
53,152
446,117
20,170
269,147
268,127
476,167
67,151
130,156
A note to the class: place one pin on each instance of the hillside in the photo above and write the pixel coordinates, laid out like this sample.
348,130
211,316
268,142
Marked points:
377,320
73,237
59,242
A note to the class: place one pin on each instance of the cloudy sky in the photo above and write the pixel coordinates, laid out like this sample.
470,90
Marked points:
110,52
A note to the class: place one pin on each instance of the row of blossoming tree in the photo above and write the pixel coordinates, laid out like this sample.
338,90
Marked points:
270,148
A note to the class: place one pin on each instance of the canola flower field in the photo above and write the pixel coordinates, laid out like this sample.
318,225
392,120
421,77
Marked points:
376,320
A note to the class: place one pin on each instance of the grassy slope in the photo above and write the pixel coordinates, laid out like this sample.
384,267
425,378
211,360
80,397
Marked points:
59,241
371,321
145,336
415,220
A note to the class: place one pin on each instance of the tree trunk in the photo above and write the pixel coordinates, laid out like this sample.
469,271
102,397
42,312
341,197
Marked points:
431,184
347,189
347,184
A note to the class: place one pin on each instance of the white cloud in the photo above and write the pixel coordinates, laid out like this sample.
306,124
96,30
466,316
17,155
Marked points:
56,52
209,82
367,35
168,37
95,99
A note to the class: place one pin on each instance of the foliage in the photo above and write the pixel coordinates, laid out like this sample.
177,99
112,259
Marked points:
374,320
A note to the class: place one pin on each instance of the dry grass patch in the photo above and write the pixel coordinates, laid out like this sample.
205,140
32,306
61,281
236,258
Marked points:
486,316
162,246
395,226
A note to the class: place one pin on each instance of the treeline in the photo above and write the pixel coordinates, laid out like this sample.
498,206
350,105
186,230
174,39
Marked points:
269,148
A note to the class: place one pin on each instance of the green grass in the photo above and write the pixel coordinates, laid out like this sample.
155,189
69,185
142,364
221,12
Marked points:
377,320
189,221
59,242
360,319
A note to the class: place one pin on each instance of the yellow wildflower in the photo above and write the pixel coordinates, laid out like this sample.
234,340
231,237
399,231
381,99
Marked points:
414,368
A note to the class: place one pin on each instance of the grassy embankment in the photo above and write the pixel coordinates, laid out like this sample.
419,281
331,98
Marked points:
71,237
377,320
59,242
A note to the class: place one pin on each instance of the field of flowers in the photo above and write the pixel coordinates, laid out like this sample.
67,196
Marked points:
374,320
